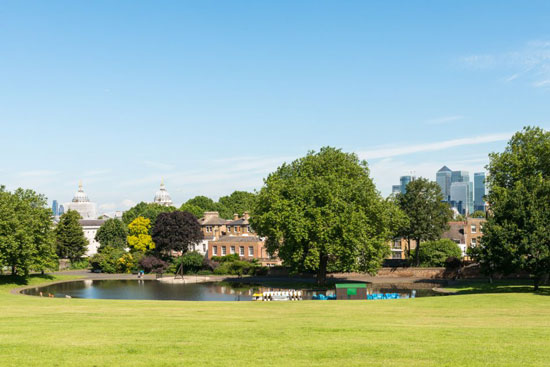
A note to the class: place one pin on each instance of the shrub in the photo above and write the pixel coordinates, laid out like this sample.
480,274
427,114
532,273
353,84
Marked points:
435,253
238,267
153,264
192,262
221,259
107,259
80,264
452,263
128,262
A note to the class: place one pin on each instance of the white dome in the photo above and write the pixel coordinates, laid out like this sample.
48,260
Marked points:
162,196
80,196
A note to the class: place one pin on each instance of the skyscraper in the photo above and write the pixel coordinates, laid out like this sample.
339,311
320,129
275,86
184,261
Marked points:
404,180
460,176
460,197
55,208
395,189
479,191
443,179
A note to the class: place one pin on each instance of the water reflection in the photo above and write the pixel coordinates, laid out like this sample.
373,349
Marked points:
155,290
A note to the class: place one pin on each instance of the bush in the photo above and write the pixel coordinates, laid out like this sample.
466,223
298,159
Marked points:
204,272
107,259
238,267
128,262
222,259
153,264
192,262
452,263
80,264
435,253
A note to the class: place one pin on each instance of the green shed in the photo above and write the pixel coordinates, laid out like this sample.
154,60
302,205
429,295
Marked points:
351,291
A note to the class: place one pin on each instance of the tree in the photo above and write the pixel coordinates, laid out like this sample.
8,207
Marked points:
237,203
112,233
175,231
198,212
26,237
145,210
427,214
191,262
323,213
517,233
139,238
478,214
69,237
435,253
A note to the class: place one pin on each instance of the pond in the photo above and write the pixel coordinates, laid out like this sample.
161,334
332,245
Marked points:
210,291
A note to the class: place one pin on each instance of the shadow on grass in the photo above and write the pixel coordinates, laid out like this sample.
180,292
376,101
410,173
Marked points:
21,280
499,286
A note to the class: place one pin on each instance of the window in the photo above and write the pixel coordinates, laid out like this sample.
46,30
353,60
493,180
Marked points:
232,250
228,228
473,228
241,251
214,250
396,244
204,247
209,229
250,250
473,243
248,229
396,255
224,251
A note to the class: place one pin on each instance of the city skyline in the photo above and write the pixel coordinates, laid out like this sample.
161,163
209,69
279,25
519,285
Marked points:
214,98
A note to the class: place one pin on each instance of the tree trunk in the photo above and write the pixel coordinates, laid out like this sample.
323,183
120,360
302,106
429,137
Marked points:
408,248
417,253
13,270
322,271
537,283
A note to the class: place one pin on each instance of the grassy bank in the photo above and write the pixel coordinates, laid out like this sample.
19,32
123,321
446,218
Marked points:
499,329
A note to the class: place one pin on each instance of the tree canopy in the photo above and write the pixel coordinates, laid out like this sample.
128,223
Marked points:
139,238
175,231
237,203
323,213
112,233
435,253
145,210
70,240
517,233
26,237
427,214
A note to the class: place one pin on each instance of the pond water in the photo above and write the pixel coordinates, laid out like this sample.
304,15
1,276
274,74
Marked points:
211,291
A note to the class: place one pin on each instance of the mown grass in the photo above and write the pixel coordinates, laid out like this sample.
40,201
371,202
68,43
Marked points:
498,329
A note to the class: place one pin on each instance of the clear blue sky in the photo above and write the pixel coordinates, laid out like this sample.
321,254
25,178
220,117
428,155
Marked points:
212,96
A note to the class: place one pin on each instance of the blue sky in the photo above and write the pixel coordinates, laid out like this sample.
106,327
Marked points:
212,96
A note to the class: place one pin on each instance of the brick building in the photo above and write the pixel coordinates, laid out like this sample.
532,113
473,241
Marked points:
226,237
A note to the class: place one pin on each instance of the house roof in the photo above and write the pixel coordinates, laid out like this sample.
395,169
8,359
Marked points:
455,232
91,222
239,239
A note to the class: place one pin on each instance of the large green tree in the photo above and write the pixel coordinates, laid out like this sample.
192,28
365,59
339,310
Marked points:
517,233
26,237
145,210
112,233
323,213
175,231
69,237
237,203
427,214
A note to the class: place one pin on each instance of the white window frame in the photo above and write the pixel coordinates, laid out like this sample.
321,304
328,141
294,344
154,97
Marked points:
224,250
251,251
215,250
231,250
241,250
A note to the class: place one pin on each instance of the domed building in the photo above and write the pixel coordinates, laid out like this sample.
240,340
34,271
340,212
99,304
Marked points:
162,197
82,204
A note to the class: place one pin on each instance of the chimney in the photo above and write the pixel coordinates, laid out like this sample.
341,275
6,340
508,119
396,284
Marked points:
235,216
246,216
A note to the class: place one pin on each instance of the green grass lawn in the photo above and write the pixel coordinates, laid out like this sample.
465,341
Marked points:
496,329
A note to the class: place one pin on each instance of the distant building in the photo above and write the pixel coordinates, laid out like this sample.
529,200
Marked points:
396,189
443,179
90,227
82,204
479,191
465,234
61,210
55,208
162,197
404,181
460,176
460,197
226,237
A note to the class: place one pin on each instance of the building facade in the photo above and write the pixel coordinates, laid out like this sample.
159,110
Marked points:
162,197
82,204
479,191
90,227
443,179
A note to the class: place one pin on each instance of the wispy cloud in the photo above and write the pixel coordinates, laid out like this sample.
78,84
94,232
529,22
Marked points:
444,120
531,62
386,152
159,165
